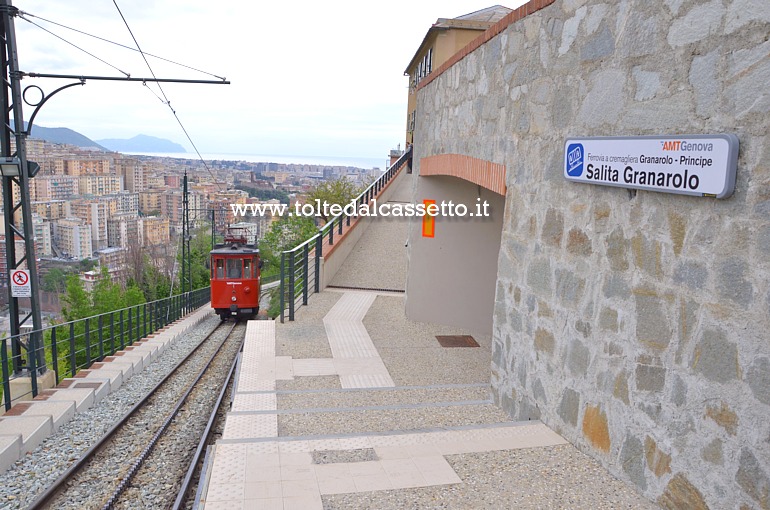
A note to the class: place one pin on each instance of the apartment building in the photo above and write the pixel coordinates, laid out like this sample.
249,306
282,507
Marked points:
121,203
50,210
43,238
173,181
156,182
133,173
95,213
123,230
154,231
114,259
47,188
150,202
99,184
44,154
81,167
172,206
221,200
443,39
73,237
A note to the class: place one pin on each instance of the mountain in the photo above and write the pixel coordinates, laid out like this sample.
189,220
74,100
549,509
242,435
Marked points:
64,135
141,143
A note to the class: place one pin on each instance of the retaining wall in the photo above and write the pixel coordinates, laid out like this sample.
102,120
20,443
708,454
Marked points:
636,324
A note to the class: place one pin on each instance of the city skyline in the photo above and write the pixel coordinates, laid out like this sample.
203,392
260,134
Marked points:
307,79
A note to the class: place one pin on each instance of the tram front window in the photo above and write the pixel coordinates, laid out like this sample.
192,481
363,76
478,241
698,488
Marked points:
246,268
220,269
234,268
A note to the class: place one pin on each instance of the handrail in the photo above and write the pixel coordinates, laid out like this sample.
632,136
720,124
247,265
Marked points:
74,345
289,290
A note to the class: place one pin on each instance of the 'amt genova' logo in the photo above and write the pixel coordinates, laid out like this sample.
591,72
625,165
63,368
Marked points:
575,159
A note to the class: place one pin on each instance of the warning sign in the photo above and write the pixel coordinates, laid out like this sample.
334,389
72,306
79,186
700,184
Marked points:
20,286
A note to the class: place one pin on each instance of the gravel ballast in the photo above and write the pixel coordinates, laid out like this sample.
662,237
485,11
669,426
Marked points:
37,470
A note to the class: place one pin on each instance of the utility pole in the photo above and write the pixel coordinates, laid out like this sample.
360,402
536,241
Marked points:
16,200
186,263
16,173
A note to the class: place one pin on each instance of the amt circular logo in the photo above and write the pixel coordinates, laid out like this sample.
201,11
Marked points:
575,159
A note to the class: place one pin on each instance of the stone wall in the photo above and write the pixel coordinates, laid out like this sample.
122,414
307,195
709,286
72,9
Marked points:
636,324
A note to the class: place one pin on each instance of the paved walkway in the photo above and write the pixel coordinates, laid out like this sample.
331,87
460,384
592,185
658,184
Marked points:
354,406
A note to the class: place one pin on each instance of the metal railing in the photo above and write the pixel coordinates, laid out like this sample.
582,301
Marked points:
301,266
73,346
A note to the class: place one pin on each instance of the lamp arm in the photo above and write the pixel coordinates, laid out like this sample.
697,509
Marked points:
39,105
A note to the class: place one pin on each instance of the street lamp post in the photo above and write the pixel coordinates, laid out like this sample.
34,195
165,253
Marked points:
16,174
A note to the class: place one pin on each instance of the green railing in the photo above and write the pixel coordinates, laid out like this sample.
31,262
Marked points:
73,346
301,266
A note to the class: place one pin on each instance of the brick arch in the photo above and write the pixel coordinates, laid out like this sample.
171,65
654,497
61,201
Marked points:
485,173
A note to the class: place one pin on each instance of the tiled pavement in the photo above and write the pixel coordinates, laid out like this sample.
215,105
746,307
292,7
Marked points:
255,467
354,406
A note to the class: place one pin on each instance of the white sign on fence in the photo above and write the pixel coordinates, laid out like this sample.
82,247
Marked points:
700,165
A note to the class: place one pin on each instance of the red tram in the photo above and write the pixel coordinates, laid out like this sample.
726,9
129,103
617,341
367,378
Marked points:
235,273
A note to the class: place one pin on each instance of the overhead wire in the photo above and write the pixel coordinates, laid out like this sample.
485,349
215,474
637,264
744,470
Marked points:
22,15
167,101
128,75
138,49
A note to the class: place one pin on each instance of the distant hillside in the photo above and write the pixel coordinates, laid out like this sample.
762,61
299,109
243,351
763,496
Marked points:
141,143
64,135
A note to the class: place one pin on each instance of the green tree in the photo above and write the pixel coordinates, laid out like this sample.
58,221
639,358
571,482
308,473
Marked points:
156,284
265,194
285,234
133,295
87,264
336,191
55,280
200,246
77,302
107,295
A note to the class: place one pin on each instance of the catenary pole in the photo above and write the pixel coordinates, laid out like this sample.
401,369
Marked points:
12,101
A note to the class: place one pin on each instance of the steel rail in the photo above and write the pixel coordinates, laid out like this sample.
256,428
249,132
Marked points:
42,500
124,483
187,483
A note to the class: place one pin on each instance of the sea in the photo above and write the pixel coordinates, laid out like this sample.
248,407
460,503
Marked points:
358,162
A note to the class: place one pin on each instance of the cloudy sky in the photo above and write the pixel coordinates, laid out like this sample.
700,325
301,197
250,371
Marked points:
307,78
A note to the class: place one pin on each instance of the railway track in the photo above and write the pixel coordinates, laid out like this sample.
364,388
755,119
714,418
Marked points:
142,460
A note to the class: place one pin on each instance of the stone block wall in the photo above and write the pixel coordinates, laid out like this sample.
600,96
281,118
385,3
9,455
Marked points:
636,324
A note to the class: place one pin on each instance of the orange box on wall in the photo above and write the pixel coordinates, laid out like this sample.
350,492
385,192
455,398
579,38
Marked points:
428,221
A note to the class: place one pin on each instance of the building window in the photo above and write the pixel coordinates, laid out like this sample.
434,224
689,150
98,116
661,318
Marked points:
424,67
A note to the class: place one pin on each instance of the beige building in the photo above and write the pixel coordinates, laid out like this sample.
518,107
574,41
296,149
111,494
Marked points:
123,230
80,167
172,206
444,38
51,210
154,231
133,173
220,201
150,202
95,213
43,239
114,259
73,237
156,182
100,184
53,187
121,203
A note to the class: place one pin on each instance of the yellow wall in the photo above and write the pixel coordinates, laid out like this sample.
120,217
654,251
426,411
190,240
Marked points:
445,43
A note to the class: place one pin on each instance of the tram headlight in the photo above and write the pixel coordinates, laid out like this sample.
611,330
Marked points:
233,298
246,290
